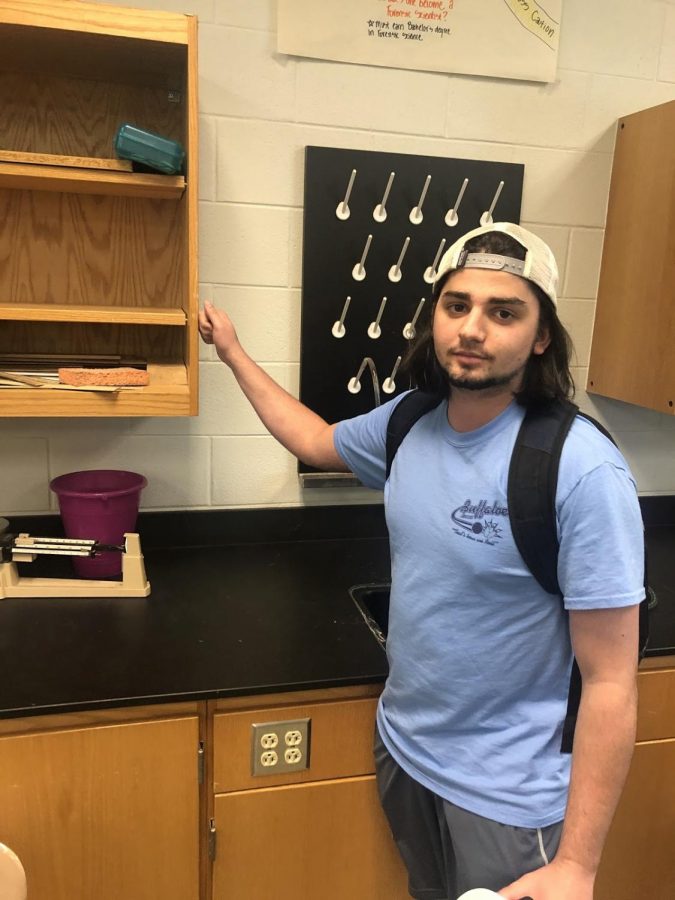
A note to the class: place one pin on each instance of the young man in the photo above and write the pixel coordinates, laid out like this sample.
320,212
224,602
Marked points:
468,757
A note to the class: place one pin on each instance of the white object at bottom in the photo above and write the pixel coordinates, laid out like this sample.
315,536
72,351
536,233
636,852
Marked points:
12,875
481,894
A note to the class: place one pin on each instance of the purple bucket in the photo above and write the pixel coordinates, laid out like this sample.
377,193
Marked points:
99,504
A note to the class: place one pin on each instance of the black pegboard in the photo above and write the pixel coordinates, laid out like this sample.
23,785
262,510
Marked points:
332,247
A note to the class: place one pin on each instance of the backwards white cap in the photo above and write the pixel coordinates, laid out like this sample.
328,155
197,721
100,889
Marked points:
539,265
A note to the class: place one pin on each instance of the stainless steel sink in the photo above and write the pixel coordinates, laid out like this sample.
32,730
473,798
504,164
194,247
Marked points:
372,601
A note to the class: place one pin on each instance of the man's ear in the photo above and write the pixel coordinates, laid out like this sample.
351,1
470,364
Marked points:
542,341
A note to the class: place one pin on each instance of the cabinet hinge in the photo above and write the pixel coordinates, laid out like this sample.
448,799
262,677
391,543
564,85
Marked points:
212,839
201,756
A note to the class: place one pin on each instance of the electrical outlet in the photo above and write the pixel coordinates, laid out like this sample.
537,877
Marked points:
291,736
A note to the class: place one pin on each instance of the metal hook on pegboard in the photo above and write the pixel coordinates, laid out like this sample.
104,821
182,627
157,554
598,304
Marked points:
380,211
343,211
486,218
359,270
374,330
452,215
338,330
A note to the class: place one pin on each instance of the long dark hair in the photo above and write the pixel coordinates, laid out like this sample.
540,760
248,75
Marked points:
546,377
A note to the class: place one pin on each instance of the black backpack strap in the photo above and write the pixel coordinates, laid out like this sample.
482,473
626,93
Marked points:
531,492
532,483
644,605
411,408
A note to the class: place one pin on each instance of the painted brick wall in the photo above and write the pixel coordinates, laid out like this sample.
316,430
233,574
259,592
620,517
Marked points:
258,111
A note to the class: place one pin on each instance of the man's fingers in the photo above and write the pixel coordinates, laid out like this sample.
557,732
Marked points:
205,326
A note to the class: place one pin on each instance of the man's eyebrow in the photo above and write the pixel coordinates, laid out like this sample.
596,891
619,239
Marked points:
495,301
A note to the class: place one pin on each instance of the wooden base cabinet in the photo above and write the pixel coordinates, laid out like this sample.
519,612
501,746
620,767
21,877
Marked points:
638,859
326,839
315,833
111,806
103,811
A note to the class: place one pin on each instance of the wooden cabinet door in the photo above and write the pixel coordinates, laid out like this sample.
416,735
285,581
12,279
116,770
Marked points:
104,813
638,860
327,839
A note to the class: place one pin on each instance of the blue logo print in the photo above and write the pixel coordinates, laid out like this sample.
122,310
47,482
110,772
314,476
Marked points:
478,521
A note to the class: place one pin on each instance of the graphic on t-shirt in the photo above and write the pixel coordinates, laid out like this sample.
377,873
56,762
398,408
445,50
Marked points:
477,521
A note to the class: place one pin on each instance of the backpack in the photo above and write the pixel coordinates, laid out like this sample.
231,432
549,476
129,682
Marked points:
531,493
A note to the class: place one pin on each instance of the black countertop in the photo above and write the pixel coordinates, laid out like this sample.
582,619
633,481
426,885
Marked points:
243,619
251,613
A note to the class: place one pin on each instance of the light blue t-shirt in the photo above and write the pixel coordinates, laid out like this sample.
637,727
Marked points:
479,654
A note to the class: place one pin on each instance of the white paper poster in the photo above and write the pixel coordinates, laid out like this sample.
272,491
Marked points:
502,38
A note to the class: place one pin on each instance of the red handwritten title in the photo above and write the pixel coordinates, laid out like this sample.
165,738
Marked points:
431,10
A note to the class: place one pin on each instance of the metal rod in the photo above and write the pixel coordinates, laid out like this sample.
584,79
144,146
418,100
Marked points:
416,212
389,385
451,217
486,218
374,330
394,273
359,271
418,311
380,211
409,327
342,211
27,540
431,272
45,551
339,329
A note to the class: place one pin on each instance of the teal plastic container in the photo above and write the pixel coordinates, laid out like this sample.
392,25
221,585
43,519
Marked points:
149,149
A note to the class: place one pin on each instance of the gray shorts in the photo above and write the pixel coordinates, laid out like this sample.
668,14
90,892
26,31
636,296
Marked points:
448,850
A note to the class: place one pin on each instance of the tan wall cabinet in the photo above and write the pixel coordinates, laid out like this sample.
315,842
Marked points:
632,355
638,860
318,832
105,811
97,260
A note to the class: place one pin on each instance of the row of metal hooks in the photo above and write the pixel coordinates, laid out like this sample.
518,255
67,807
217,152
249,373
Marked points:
416,216
339,329
395,272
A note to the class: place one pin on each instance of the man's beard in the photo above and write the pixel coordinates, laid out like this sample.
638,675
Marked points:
467,383
481,384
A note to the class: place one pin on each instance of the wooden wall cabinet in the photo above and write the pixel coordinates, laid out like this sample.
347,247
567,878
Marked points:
632,355
96,258
104,805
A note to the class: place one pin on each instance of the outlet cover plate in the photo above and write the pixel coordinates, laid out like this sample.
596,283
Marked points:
288,740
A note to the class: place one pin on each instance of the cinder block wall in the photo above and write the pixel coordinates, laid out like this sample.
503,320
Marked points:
258,111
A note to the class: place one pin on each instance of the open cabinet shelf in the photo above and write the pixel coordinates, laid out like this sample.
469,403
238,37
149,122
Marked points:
97,258
90,181
166,395
29,312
